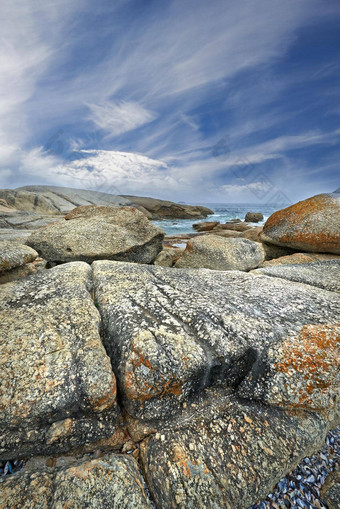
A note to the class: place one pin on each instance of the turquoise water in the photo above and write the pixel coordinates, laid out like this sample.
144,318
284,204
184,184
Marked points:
222,212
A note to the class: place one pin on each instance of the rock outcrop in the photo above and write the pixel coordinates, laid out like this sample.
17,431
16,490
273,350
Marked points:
57,200
163,209
323,274
111,481
57,391
205,226
300,258
218,253
93,233
309,225
171,333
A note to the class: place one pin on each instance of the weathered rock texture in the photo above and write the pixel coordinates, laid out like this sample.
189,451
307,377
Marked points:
20,220
330,491
57,200
163,209
57,387
13,255
218,253
205,226
322,274
171,333
223,454
168,256
309,225
92,233
22,271
111,482
15,235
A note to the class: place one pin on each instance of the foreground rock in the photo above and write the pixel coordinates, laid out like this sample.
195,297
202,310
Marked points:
57,200
111,481
310,225
218,253
163,209
23,271
58,390
253,217
226,454
171,333
331,490
322,274
92,233
14,255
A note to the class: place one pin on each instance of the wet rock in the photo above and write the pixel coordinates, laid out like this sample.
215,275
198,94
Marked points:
13,255
112,481
226,454
205,226
92,233
213,252
309,225
164,209
170,333
253,217
58,390
322,274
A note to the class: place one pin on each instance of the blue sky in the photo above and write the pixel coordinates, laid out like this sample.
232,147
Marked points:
198,101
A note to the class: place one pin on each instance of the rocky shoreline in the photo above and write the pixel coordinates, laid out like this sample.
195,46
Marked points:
138,374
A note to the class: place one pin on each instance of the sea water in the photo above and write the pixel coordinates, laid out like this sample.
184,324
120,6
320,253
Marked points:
223,212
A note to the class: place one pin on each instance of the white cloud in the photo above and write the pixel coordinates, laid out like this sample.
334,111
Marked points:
119,118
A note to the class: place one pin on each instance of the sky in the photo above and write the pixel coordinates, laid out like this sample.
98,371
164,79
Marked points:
188,100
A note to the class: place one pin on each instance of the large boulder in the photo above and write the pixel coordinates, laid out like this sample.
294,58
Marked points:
218,253
171,333
57,389
13,255
91,233
113,481
164,209
253,217
309,225
300,258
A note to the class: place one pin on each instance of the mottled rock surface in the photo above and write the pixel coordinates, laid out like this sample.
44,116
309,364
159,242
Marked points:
110,482
226,454
168,256
164,209
322,274
13,255
171,333
57,387
218,253
330,492
309,225
92,233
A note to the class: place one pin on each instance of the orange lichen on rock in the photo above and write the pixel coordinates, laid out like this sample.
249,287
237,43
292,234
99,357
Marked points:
310,363
186,464
137,387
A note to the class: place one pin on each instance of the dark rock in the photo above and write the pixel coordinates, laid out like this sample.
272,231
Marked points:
163,209
253,217
330,491
205,226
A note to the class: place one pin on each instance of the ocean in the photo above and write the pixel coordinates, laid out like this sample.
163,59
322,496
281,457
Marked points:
222,212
